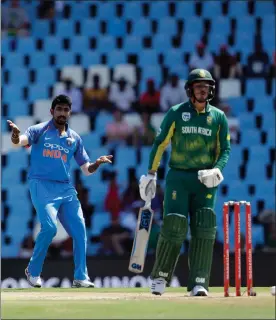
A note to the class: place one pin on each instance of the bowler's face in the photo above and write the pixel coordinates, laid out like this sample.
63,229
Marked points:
61,113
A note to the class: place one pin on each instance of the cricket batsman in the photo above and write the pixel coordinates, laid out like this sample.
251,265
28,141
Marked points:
200,144
54,144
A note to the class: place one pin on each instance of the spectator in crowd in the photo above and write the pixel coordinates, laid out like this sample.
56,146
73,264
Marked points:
144,134
115,239
122,95
95,98
233,122
46,9
112,202
172,93
150,99
87,207
74,93
201,59
267,218
130,195
258,62
14,20
226,65
117,131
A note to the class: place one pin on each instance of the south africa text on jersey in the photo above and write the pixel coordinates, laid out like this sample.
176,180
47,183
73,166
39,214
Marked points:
200,130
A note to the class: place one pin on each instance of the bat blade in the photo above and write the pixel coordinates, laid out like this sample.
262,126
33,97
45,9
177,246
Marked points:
141,240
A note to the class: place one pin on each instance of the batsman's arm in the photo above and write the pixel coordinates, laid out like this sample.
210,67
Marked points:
161,141
224,144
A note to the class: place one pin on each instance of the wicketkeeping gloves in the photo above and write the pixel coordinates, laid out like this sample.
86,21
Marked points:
147,187
211,178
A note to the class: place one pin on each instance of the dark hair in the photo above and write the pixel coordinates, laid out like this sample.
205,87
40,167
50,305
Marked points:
61,99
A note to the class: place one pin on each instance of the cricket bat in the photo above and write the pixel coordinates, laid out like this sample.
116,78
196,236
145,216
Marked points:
141,240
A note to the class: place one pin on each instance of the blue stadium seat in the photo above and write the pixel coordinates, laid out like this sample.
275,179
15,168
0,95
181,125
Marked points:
216,40
268,119
52,45
90,28
79,44
269,42
18,108
40,28
220,25
12,93
133,10
106,44
252,167
132,44
46,76
236,154
271,137
184,9
268,24
193,25
65,58
189,41
116,57
153,72
10,250
26,45
149,57
19,192
39,59
89,58
167,26
247,25
236,189
13,60
242,38
97,195
116,28
211,9
4,126
259,152
125,155
250,137
174,57
79,11
5,46
18,159
181,70
10,176
161,43
100,220
38,91
252,84
19,76
141,27
264,8
158,9
265,187
263,104
106,11
237,9
102,120
238,105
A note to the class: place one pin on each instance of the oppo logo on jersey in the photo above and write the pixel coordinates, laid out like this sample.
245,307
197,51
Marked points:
54,151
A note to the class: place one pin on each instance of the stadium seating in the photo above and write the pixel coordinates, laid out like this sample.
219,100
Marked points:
137,45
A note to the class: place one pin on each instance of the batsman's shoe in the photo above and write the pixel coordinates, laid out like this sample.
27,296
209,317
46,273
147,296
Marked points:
33,281
83,284
158,286
199,291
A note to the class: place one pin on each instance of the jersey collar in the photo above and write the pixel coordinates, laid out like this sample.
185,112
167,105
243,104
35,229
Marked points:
51,126
205,110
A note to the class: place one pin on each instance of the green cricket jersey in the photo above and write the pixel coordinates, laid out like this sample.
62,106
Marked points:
198,140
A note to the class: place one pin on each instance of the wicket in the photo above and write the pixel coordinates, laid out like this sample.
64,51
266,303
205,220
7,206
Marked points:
237,223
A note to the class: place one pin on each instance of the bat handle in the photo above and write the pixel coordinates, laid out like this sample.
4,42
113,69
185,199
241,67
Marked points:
148,204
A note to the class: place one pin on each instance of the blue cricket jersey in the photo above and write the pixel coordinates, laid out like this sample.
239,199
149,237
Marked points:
51,153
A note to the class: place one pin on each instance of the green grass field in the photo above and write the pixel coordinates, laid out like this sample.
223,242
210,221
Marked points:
133,303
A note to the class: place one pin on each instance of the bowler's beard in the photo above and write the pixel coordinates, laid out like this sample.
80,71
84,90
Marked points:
61,120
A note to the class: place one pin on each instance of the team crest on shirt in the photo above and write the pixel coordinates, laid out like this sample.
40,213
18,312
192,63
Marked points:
209,120
70,141
186,116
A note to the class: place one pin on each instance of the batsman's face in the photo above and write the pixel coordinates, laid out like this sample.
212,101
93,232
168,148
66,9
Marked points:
201,91
61,114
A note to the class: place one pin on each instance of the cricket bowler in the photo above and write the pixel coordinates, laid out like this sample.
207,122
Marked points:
54,144
200,142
